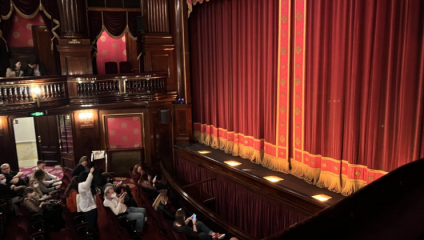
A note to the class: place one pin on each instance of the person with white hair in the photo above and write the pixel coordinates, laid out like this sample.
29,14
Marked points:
118,207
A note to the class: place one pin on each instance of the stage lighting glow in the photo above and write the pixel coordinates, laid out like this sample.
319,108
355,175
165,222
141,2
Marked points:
273,179
204,152
232,163
321,197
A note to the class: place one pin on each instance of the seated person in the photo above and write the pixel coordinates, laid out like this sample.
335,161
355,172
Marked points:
15,71
12,177
149,185
160,205
9,189
136,172
81,167
50,178
117,206
121,189
38,194
40,176
52,216
35,69
198,230
71,195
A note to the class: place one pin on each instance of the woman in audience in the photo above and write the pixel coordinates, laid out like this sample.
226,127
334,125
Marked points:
81,167
136,173
40,176
53,216
15,71
87,202
38,193
160,205
71,195
198,229
148,185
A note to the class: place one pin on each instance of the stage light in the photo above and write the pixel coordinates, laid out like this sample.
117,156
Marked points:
273,179
204,152
321,197
232,163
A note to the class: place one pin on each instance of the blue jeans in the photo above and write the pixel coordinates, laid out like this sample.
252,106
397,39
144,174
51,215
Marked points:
137,214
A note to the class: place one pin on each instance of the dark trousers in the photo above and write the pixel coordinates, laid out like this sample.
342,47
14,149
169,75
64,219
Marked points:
204,231
91,217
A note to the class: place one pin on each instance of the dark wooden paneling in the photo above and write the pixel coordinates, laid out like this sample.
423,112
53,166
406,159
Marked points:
161,58
157,16
183,126
75,58
132,53
43,48
7,143
161,126
73,20
85,139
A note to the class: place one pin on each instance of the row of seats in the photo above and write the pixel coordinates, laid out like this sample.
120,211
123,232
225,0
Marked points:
112,67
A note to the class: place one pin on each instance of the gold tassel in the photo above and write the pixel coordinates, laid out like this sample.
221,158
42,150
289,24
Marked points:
329,180
275,163
351,185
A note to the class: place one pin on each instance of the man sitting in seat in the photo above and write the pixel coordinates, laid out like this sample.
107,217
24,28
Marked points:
118,207
12,177
9,189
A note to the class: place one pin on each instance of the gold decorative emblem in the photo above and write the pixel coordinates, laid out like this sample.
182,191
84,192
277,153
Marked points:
284,51
282,138
282,124
299,32
283,81
297,81
357,173
313,162
282,153
284,65
246,142
297,141
297,95
297,126
299,16
283,95
335,168
297,111
371,178
307,159
324,165
343,168
297,65
283,109
284,2
284,18
284,34
298,49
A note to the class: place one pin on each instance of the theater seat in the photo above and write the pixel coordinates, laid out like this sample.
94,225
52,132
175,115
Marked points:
111,68
125,67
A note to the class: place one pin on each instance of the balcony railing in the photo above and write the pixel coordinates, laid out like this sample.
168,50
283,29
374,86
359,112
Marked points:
26,91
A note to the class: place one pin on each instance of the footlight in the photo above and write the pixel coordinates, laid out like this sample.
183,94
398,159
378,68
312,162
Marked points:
273,179
321,197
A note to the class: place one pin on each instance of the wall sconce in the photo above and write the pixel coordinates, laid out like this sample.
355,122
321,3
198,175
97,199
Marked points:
37,92
86,115
86,119
1,128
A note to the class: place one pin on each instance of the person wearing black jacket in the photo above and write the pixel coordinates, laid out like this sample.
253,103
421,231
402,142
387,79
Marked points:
198,230
81,167
35,69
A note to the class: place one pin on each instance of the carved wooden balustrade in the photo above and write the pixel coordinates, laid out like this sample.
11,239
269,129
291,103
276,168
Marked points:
103,89
56,91
25,92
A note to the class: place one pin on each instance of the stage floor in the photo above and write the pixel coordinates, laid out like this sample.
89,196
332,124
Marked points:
290,183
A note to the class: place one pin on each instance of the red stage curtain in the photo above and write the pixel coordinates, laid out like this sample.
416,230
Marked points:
234,75
363,95
252,213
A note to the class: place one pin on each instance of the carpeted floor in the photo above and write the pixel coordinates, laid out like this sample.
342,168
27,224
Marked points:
56,170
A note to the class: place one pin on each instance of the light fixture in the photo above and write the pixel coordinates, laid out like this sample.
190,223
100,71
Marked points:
204,152
37,92
273,179
232,163
85,115
321,197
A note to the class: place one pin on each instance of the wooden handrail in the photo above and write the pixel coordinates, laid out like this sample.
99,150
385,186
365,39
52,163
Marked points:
197,183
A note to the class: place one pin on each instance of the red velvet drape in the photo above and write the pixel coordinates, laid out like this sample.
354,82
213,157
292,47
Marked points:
364,89
251,212
234,75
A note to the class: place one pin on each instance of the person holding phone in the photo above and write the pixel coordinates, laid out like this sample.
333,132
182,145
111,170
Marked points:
199,229
116,204
87,202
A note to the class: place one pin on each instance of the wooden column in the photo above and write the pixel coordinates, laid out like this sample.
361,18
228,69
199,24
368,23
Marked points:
74,45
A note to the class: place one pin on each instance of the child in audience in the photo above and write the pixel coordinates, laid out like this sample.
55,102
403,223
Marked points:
40,176
71,195
160,205
38,193
198,231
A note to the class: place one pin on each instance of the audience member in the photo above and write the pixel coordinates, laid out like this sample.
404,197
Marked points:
50,178
136,173
5,189
40,176
81,167
38,193
71,195
15,71
35,69
53,216
12,177
118,207
87,203
198,229
160,205
149,185
120,190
